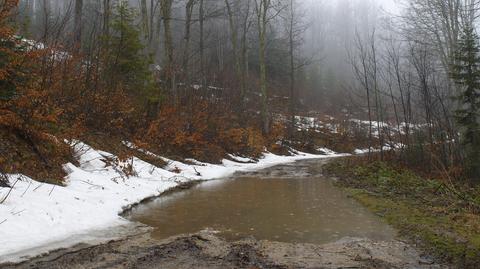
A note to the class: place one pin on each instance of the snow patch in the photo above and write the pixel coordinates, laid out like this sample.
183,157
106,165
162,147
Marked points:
36,216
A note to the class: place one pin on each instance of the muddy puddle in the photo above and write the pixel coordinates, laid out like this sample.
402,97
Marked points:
292,203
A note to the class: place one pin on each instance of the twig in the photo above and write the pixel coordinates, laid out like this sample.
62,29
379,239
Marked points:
52,189
115,168
91,184
3,221
39,185
28,187
152,169
198,173
16,213
9,191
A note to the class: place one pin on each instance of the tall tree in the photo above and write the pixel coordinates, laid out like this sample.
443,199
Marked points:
187,36
234,41
166,10
78,25
467,76
201,20
295,30
439,22
262,8
291,52
8,55
106,17
144,19
246,23
126,67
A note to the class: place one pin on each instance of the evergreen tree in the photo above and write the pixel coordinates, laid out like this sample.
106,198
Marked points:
127,66
7,54
466,73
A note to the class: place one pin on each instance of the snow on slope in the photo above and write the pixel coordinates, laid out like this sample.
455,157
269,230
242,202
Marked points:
36,216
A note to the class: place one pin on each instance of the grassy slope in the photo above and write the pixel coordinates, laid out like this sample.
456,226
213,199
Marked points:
443,219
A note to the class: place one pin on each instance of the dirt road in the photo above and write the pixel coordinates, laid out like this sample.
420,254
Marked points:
206,250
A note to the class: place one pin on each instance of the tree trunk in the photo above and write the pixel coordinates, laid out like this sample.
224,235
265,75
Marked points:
234,41
292,69
186,51
106,17
202,44
77,31
144,18
262,11
244,53
166,8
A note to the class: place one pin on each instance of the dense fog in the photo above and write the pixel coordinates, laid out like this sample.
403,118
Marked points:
327,30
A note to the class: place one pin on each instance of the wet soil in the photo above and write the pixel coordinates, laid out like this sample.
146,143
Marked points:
206,250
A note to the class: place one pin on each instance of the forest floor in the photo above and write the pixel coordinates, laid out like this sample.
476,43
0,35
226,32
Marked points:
440,217
206,250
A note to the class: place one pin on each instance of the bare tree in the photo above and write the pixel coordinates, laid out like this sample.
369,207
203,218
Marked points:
166,10
186,50
438,23
263,10
106,17
361,68
295,29
201,19
144,19
246,24
234,41
77,32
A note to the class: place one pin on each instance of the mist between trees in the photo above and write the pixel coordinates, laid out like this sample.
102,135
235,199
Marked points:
179,75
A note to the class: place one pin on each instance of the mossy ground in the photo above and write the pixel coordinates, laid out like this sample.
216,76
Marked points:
442,218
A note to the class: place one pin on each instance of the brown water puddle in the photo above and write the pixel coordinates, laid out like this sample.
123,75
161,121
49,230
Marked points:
291,203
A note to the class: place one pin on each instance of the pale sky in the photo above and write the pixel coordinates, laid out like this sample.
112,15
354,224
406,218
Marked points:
388,5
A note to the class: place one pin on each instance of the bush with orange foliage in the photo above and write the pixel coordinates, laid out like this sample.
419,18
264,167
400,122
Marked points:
243,141
178,134
48,96
28,116
204,131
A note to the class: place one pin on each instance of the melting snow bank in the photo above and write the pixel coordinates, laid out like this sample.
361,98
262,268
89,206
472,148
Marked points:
37,217
387,147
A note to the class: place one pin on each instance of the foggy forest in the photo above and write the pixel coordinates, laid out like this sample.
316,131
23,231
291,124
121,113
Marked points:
239,134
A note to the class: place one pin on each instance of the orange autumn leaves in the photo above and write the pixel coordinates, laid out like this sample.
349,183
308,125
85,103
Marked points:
55,96
204,131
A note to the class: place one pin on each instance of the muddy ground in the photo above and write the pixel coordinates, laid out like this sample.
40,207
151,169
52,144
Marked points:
206,250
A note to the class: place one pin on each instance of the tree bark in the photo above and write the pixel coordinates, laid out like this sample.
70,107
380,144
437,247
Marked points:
201,20
244,52
262,7
106,17
77,31
186,50
166,9
144,18
292,68
234,41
